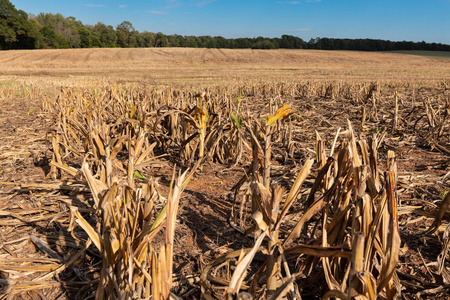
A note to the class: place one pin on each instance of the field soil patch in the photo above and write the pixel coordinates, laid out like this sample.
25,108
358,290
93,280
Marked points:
377,93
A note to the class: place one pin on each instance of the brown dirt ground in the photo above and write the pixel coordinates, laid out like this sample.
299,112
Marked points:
24,158
203,230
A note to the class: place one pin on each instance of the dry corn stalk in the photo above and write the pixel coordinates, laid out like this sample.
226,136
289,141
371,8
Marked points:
346,205
128,221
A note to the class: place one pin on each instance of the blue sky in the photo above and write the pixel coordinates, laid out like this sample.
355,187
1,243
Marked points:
396,20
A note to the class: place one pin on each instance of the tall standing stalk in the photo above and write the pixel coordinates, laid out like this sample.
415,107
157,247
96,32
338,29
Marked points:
267,155
202,118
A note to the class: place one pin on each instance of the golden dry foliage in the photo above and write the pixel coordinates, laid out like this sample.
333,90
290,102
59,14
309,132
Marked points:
128,221
129,210
334,225
347,226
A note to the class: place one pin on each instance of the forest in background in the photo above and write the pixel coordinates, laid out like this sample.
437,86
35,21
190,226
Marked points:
19,30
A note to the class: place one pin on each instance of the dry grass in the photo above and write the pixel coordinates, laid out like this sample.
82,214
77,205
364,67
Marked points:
321,210
214,66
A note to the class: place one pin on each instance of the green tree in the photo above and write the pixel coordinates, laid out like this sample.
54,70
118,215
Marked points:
85,37
16,31
52,39
181,40
161,40
147,39
106,34
126,34
69,28
291,42
264,43
221,42
202,41
243,43
211,43
191,42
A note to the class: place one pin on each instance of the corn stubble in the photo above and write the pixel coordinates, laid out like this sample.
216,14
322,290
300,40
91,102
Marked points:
345,232
335,227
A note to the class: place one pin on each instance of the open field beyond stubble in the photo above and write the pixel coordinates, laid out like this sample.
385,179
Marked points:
213,66
295,174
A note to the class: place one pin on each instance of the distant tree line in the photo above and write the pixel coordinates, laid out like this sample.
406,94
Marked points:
18,30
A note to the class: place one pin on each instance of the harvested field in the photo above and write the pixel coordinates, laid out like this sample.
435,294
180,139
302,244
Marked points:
213,173
214,66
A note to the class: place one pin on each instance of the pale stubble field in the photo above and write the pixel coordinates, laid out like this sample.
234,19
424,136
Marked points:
216,66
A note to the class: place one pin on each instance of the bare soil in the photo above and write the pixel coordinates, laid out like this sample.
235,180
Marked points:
203,231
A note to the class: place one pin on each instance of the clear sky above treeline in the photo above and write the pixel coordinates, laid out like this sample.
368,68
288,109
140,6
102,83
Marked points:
395,20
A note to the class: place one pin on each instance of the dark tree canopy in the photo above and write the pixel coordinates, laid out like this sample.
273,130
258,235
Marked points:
46,30
16,31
